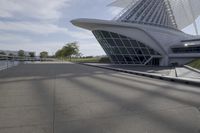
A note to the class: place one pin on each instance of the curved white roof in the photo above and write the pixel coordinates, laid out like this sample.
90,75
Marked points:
185,11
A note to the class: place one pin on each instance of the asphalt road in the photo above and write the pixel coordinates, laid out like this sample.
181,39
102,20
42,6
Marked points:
70,98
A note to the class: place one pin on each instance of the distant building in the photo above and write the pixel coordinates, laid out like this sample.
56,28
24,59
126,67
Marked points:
148,32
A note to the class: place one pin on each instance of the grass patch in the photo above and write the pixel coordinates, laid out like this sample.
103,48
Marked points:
84,60
89,60
195,64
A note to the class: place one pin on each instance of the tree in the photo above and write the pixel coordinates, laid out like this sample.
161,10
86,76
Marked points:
44,54
21,53
79,55
2,53
11,54
59,53
70,49
32,54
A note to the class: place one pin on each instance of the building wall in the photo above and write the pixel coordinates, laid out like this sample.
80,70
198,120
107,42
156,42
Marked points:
180,61
158,38
125,50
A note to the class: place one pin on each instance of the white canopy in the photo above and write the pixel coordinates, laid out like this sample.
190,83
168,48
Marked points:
185,11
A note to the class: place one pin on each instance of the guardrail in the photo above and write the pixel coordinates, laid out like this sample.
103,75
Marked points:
192,69
11,61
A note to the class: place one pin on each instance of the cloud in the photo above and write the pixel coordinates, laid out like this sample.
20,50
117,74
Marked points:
37,9
36,28
90,47
13,38
43,29
38,25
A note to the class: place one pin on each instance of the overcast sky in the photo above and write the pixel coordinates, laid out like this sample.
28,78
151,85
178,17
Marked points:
44,25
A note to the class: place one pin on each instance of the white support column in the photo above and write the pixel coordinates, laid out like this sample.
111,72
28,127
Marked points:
196,28
194,23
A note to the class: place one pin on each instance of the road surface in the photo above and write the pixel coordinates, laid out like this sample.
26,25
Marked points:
72,98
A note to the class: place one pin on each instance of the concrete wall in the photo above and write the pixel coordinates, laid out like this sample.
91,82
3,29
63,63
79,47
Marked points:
180,61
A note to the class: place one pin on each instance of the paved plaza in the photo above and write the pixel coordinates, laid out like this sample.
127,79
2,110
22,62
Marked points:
73,98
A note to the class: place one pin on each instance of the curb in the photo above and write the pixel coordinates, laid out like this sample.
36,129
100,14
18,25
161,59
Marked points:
154,76
192,69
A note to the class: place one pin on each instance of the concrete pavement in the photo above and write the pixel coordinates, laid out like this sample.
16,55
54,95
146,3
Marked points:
71,98
181,72
187,73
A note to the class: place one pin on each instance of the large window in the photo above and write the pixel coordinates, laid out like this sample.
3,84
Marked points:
124,50
188,49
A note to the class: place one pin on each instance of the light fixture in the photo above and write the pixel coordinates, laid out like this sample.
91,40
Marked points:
186,45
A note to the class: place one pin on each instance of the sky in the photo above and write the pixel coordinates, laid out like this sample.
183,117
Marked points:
44,25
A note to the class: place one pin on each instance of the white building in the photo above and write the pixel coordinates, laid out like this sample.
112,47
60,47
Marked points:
148,32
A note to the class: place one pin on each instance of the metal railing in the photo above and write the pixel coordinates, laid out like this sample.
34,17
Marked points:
11,61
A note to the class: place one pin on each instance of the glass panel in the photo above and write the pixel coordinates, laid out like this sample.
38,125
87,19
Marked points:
98,34
141,44
120,58
114,35
138,51
111,42
106,34
152,52
109,51
131,51
135,58
134,43
128,58
126,43
119,42
113,58
105,43
123,37
147,57
116,50
186,50
123,51
142,59
145,51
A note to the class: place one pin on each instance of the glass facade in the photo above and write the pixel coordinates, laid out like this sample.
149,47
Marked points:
186,49
124,50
